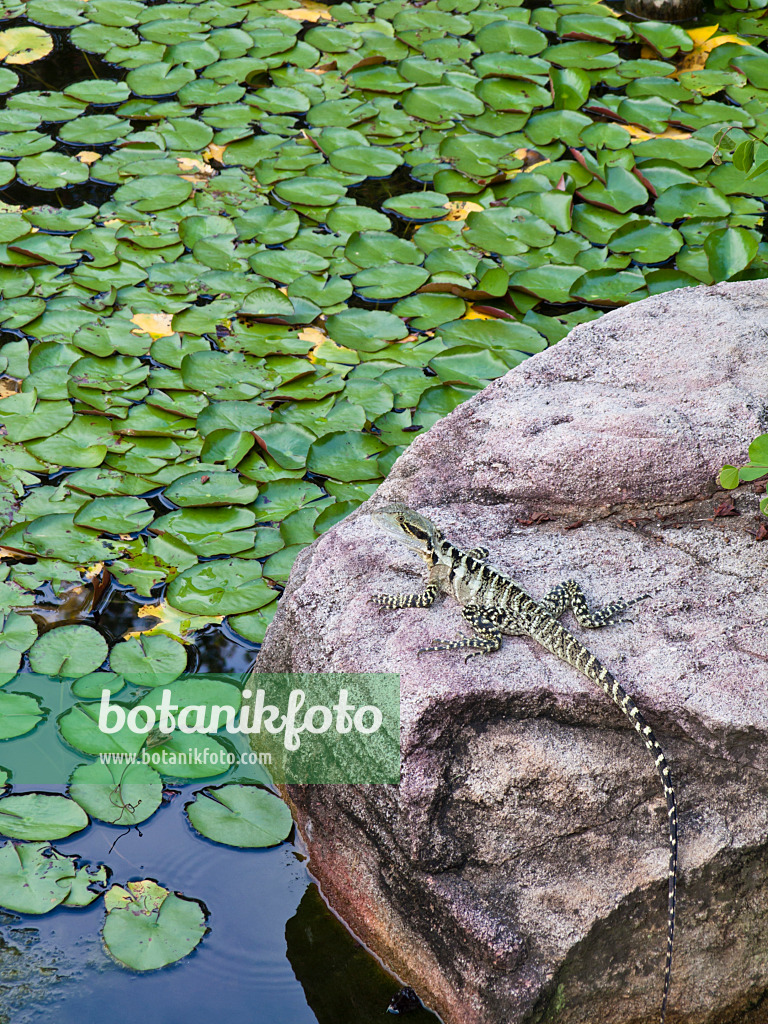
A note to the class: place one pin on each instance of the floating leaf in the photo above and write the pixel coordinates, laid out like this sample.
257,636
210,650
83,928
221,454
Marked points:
148,660
115,515
71,651
20,713
729,251
24,44
51,170
211,489
40,816
35,878
223,587
236,815
147,926
122,794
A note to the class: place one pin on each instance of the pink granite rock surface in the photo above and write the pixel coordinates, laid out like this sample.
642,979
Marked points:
519,871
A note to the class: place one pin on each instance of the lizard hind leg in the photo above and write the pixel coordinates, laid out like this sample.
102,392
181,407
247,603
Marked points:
487,637
569,594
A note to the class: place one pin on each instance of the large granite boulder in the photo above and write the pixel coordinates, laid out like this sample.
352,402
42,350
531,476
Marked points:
519,870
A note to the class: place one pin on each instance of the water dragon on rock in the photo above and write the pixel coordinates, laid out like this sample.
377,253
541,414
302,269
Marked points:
493,604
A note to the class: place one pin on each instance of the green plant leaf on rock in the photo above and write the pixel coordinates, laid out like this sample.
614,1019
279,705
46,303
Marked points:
148,927
237,815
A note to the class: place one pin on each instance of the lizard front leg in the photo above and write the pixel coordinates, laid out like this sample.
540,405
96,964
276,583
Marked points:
570,595
487,637
423,600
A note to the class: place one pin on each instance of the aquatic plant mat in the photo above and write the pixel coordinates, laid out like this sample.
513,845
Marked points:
248,251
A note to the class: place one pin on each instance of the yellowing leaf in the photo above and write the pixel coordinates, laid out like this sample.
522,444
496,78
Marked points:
460,210
24,44
472,314
701,35
705,42
87,156
157,325
9,386
309,12
214,152
172,622
313,334
640,134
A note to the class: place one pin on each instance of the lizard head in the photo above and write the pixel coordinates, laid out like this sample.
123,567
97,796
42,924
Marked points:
414,530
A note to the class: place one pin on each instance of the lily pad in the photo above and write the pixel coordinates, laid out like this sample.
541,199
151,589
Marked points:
24,44
211,489
70,651
51,171
115,515
148,660
237,815
148,927
35,878
122,794
20,713
223,587
40,816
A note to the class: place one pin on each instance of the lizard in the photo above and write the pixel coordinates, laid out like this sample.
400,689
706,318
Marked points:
494,604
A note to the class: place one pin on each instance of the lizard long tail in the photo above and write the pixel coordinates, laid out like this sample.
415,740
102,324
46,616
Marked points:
599,674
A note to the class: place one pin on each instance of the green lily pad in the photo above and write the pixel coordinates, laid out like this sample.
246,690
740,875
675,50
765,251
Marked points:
148,927
729,251
122,794
35,878
346,456
211,489
418,206
40,816
148,660
389,281
90,687
18,632
154,192
222,587
79,727
94,129
253,625
25,418
243,816
158,79
310,191
56,535
20,713
365,330
71,651
99,91
115,515
51,171
647,241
